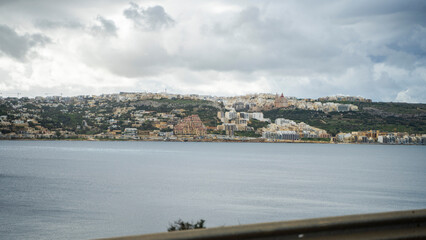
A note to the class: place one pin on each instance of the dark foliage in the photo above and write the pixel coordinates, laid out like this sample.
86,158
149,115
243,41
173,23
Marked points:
54,118
246,134
147,126
4,109
217,132
180,225
257,124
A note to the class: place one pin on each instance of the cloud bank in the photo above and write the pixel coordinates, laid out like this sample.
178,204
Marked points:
302,48
17,46
152,18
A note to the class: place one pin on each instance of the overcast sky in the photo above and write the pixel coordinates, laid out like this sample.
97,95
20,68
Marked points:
375,49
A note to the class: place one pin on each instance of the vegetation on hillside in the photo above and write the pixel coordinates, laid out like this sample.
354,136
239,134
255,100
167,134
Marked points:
4,109
217,132
256,124
390,107
90,118
206,110
54,117
362,120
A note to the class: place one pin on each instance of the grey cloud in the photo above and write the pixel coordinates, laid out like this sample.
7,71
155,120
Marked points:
394,30
310,42
131,62
377,58
362,10
259,42
17,46
52,24
413,43
56,9
151,18
105,26
404,50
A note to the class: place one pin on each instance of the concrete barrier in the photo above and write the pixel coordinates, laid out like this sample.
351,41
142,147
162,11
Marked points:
389,225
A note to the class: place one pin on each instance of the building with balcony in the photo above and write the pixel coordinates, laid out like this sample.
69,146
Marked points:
191,125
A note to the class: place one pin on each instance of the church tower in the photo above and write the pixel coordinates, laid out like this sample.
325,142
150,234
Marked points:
280,101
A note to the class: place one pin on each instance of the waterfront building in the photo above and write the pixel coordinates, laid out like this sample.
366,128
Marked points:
281,135
131,132
191,125
230,128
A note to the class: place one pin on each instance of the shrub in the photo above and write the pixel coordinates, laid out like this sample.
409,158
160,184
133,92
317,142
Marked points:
180,225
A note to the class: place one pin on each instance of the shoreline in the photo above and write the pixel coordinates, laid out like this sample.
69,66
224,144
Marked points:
207,141
169,140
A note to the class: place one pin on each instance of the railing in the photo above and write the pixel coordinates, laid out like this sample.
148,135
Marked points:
389,225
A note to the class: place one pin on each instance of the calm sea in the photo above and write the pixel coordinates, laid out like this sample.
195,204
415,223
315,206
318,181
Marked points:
82,190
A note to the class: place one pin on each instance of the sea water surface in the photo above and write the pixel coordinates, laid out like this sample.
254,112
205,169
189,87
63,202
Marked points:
85,190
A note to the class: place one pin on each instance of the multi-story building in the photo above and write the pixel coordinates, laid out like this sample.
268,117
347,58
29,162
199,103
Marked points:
191,125
343,108
283,121
257,116
281,135
231,115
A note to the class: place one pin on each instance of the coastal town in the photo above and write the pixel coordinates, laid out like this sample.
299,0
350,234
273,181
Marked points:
177,117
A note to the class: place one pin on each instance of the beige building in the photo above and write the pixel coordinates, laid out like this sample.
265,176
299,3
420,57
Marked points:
280,101
191,125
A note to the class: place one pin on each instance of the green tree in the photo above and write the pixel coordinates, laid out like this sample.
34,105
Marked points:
257,124
147,126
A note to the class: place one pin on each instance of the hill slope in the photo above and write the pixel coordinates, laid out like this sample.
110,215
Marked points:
395,117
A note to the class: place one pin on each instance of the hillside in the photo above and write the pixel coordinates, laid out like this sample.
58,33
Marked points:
206,110
398,117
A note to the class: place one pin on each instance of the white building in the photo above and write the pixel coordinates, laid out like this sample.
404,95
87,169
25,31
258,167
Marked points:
257,116
283,122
